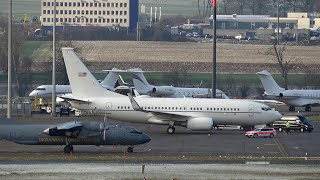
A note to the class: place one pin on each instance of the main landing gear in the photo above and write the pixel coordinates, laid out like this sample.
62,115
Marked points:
308,108
292,108
171,129
68,148
130,149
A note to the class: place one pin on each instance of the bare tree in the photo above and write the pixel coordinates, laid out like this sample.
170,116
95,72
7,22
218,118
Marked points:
285,65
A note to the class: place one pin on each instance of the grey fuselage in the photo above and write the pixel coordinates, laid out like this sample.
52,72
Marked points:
33,135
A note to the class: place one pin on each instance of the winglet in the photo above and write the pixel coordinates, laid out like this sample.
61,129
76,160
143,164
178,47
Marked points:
134,103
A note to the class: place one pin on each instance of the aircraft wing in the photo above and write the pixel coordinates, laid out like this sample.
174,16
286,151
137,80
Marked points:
69,98
155,115
69,129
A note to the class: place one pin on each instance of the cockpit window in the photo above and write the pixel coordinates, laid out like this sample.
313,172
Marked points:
134,131
266,108
41,89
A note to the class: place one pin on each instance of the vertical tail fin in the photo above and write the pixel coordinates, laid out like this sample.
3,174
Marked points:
111,79
269,84
140,82
83,84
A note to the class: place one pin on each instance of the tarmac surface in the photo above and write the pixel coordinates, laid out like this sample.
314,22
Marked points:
227,142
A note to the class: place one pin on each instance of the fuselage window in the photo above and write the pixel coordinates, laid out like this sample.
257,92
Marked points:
165,108
118,107
207,109
168,107
214,109
217,109
227,109
200,108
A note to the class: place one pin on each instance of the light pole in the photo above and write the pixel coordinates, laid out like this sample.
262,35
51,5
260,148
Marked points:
9,96
278,23
214,46
53,100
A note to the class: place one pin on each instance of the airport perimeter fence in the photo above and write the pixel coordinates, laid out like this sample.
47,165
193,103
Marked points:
20,106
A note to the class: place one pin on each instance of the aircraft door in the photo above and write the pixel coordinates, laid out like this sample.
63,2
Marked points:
251,110
108,108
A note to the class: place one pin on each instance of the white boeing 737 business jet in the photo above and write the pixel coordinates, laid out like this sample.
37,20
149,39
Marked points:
192,113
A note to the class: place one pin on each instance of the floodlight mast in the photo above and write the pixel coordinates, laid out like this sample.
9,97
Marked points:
53,103
214,52
9,95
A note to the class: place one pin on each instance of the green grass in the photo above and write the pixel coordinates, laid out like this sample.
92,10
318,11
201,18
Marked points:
30,47
193,79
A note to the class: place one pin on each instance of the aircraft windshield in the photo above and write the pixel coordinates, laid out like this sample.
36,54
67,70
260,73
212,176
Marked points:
135,131
266,108
41,89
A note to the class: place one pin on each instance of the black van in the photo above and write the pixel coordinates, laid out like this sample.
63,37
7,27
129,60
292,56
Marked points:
299,123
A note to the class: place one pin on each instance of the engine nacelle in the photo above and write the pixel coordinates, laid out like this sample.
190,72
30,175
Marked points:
200,124
163,90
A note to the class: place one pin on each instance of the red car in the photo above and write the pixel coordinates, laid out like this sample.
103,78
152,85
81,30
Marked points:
261,132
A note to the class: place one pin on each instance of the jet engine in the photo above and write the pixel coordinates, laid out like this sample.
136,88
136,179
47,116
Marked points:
200,124
163,90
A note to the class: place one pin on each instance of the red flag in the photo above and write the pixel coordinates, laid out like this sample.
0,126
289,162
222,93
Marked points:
214,3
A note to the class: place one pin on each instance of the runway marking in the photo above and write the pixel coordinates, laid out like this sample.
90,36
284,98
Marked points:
280,147
257,162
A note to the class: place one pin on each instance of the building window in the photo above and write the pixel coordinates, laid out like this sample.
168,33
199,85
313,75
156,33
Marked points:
87,20
74,11
57,19
57,12
44,12
99,4
65,19
112,12
117,21
90,20
108,4
48,19
61,11
82,4
87,12
65,11
99,12
112,20
125,21
95,4
104,4
108,20
74,4
120,12
95,12
116,4
82,12
104,12
48,3
87,4
91,12
44,4
99,20
124,12
125,4
69,20
61,19
108,12
79,4
44,19
57,4
78,12
66,4
91,4
61,3
104,20
120,4
78,20
120,20
48,11
116,12
112,4
70,12
95,20
70,4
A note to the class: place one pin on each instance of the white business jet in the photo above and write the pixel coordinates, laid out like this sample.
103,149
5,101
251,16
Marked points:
109,82
193,113
144,88
293,97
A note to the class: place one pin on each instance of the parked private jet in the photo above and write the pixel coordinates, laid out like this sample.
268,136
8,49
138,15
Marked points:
193,113
293,97
144,88
109,82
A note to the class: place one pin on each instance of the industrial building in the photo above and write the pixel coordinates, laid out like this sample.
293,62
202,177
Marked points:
97,13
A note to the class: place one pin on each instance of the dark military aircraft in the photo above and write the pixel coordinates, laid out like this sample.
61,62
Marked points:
71,133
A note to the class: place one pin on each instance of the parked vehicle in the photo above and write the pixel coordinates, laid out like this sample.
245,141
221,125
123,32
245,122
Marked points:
299,123
261,132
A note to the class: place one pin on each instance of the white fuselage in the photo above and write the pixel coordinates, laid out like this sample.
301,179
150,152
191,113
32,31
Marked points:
297,97
222,111
45,91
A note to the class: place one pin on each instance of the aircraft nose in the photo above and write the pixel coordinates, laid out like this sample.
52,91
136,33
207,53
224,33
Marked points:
32,94
277,115
146,138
